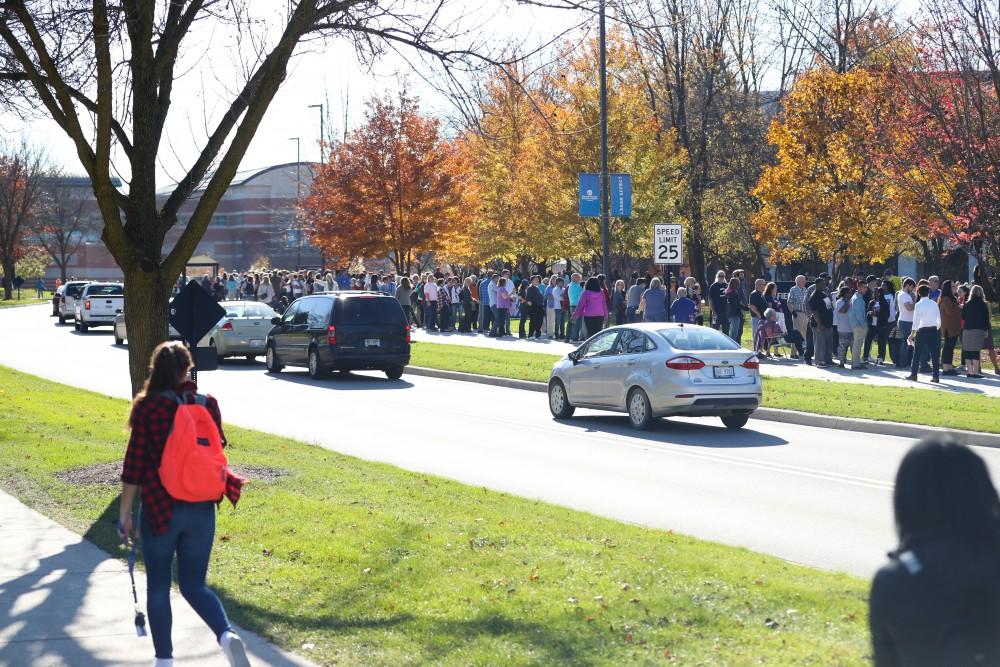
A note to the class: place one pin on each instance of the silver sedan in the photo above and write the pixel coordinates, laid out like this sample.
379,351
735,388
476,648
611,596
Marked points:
243,331
655,370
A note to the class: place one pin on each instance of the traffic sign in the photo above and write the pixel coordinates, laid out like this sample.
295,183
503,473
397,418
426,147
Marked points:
193,313
668,244
621,195
590,196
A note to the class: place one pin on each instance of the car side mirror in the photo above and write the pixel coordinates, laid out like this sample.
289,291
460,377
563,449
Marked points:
574,356
275,320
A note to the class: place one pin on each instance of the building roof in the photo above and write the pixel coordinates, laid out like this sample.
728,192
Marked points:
242,177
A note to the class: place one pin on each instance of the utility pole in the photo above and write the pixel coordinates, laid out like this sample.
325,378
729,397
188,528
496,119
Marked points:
321,135
298,195
605,178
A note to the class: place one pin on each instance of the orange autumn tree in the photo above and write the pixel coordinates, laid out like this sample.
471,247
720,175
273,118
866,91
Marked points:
391,189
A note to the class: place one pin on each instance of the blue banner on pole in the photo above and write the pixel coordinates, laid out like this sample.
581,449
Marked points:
621,195
590,196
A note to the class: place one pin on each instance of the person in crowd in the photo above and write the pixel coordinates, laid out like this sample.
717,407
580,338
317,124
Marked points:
858,321
797,306
553,308
485,305
522,308
633,298
574,290
905,305
736,308
455,295
653,303
718,315
951,325
618,299
683,309
976,331
491,288
535,304
673,285
468,303
768,334
821,311
443,304
925,334
403,294
757,303
694,293
592,306
934,283
430,301
232,287
501,321
296,285
264,290
170,528
842,324
937,600
879,321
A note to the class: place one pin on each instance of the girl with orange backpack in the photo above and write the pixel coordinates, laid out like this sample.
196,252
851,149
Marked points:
175,462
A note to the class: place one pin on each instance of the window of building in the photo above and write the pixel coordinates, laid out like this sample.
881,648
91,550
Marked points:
220,220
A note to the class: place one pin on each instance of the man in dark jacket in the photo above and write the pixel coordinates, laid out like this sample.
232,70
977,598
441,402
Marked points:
536,308
821,308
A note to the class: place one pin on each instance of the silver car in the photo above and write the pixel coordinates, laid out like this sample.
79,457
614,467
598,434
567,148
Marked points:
121,331
243,331
655,370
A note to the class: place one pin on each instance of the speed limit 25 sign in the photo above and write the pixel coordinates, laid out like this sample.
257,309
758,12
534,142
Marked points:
668,244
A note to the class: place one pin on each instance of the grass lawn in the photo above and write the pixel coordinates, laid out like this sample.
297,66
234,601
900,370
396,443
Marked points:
969,411
28,298
368,564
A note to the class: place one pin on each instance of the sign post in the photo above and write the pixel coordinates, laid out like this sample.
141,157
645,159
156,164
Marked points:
590,196
193,313
668,244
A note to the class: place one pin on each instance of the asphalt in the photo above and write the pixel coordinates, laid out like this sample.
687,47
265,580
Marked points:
816,496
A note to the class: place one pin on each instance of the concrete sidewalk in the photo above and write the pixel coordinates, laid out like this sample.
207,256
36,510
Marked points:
887,376
66,603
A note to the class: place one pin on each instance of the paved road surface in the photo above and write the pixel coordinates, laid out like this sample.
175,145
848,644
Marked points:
814,496
887,376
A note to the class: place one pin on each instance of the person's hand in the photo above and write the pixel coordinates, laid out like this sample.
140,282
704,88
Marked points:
125,528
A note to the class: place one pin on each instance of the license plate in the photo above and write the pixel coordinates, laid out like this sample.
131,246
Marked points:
257,342
724,371
372,342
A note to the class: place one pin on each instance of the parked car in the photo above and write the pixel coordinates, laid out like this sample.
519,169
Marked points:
655,370
121,332
243,331
98,305
56,298
341,331
67,302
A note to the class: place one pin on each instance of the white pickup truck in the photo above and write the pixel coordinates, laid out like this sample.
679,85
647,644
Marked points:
98,305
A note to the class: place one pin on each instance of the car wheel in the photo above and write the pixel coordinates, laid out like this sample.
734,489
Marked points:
735,421
316,370
215,349
118,340
559,401
640,413
271,360
394,373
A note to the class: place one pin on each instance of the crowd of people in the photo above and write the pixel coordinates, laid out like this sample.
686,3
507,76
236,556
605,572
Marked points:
872,321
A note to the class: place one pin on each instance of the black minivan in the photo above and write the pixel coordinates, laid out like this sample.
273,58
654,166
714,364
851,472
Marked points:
347,331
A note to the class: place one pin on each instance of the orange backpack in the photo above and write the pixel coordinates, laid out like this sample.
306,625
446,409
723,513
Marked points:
193,467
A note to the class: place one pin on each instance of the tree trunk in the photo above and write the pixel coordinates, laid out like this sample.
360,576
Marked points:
8,280
146,316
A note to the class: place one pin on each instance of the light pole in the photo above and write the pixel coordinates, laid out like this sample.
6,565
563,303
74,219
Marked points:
605,184
298,194
320,107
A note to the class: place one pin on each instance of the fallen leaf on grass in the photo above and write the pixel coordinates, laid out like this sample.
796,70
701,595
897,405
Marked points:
308,646
771,623
367,570
572,600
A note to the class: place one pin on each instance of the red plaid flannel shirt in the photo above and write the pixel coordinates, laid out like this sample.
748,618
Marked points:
152,419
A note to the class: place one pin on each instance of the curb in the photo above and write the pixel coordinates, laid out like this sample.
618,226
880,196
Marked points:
764,414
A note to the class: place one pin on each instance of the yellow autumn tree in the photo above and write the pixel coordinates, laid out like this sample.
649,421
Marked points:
829,193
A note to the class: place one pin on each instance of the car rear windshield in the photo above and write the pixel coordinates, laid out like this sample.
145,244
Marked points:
371,310
697,338
105,290
74,290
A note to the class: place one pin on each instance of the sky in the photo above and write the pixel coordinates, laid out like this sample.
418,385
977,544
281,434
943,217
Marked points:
328,74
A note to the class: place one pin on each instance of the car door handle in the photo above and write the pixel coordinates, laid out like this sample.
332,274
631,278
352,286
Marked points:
632,363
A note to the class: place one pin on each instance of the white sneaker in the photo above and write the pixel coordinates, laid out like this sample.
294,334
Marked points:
163,662
233,649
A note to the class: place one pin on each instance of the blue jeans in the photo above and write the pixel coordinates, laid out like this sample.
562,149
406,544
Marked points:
485,318
903,356
496,329
430,315
926,344
574,325
456,314
736,328
191,532
560,323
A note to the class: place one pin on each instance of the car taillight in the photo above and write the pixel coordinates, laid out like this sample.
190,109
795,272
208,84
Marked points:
752,363
685,364
331,335
407,334
228,326
62,299
86,304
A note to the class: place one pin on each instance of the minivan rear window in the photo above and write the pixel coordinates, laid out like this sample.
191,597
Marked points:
371,310
697,338
105,290
74,290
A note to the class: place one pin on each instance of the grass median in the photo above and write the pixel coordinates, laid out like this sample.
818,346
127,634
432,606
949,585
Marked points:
28,298
927,407
352,562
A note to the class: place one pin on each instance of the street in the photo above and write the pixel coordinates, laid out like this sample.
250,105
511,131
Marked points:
812,496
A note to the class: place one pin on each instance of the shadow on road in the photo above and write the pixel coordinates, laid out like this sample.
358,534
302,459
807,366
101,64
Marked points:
337,381
710,434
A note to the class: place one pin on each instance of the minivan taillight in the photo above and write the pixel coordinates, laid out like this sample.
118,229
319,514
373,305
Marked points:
753,363
331,335
685,364
86,304
407,334
228,326
62,299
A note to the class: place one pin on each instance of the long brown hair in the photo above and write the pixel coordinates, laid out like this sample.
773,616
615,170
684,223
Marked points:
168,365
